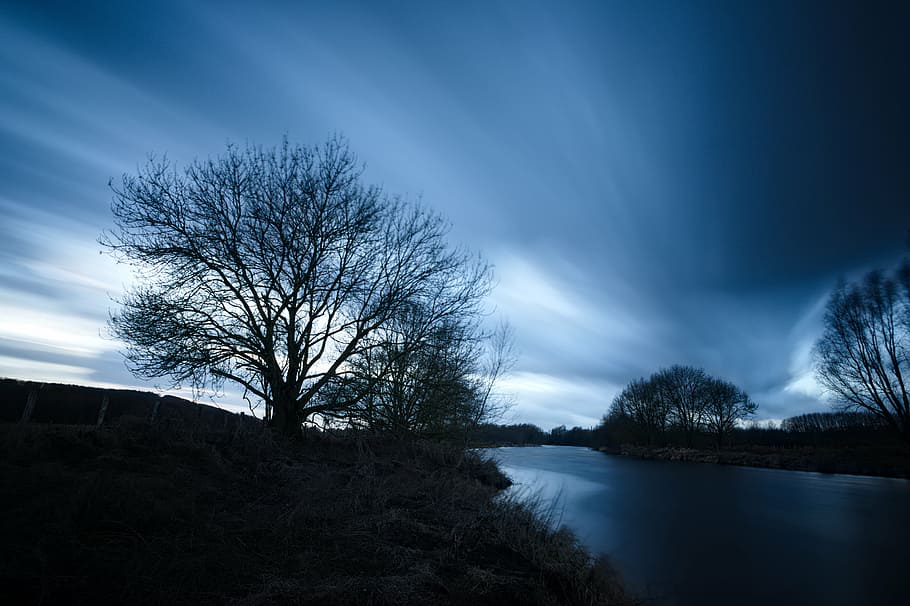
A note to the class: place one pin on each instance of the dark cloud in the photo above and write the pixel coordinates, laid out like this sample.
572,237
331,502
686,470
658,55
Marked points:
656,184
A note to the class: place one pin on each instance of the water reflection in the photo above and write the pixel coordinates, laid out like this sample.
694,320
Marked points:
687,533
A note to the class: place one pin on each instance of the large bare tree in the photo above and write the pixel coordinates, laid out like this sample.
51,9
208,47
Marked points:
863,356
272,269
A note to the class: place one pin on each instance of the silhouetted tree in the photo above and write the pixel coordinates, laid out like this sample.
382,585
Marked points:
725,406
498,359
410,383
642,404
617,428
863,356
438,384
684,391
683,397
274,269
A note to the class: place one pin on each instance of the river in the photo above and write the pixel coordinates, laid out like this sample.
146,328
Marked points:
690,533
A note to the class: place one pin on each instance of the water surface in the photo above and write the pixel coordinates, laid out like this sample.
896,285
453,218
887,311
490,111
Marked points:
691,533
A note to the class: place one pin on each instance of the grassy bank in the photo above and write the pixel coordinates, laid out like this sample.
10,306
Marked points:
870,460
135,513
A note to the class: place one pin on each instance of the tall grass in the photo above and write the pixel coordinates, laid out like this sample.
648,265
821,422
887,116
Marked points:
151,514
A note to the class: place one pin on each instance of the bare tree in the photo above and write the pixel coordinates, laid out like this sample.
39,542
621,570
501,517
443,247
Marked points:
640,402
272,269
682,389
438,384
863,356
410,384
725,405
683,397
497,359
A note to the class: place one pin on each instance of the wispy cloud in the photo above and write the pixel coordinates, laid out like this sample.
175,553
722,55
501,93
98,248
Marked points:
553,400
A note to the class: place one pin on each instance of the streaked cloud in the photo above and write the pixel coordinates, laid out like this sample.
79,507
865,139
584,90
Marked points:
35,370
556,399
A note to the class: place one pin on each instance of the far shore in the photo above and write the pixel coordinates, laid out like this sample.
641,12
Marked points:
852,461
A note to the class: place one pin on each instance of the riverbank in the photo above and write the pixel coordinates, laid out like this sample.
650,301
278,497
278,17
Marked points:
136,513
883,462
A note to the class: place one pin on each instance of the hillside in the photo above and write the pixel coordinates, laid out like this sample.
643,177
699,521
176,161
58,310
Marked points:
150,513
58,403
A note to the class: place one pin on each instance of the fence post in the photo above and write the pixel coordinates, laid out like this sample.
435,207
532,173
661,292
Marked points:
30,405
154,416
105,400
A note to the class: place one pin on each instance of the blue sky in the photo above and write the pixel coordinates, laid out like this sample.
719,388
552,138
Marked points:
655,183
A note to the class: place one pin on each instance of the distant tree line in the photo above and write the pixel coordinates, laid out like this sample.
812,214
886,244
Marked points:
526,434
825,422
835,429
576,436
518,434
815,429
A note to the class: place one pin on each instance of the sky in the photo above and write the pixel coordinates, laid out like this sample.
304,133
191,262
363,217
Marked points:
655,183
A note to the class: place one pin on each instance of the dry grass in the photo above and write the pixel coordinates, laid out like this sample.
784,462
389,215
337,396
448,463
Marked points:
138,514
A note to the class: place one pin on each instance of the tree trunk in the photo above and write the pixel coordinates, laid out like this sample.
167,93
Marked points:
284,417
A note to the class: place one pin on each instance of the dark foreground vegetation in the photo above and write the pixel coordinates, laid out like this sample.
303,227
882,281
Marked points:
168,513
